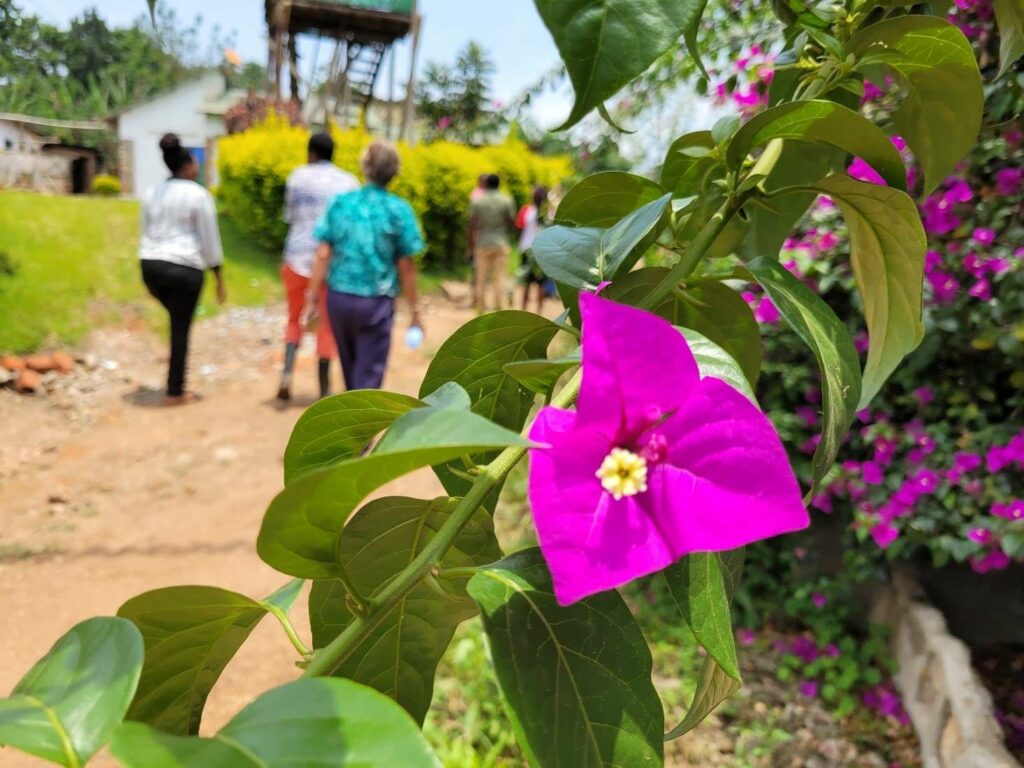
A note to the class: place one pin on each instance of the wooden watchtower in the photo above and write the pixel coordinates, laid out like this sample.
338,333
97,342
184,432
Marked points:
363,32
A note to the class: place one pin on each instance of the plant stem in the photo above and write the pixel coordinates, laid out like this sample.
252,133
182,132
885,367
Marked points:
359,603
328,659
696,250
289,630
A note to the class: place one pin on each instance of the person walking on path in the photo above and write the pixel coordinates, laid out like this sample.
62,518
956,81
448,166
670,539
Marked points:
492,219
180,241
368,239
530,222
310,188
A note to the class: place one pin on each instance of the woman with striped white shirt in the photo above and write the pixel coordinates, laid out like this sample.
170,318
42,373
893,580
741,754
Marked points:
180,241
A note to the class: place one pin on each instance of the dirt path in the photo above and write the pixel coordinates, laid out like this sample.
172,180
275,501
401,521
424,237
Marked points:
104,496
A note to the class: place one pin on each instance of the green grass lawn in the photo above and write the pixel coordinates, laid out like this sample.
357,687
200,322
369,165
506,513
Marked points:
70,264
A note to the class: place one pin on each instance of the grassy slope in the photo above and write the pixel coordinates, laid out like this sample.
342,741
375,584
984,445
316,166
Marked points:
76,267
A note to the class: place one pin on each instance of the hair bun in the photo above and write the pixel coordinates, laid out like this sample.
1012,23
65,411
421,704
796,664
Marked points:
170,143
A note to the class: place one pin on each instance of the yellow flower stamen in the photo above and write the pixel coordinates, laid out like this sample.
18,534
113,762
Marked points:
623,473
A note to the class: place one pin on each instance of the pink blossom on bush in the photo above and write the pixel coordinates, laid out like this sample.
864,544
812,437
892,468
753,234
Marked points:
872,473
884,533
767,312
993,560
924,395
809,688
984,235
980,535
860,170
1009,181
981,289
819,600
1013,510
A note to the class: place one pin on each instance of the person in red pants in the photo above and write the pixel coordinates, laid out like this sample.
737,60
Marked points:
309,190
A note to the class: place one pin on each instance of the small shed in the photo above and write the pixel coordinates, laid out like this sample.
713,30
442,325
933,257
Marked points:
194,110
31,159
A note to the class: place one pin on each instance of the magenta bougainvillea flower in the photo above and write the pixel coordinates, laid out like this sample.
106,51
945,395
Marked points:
654,464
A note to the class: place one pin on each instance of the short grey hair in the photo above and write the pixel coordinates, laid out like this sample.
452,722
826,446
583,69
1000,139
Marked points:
380,163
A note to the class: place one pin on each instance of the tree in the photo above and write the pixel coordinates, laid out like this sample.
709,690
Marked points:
454,100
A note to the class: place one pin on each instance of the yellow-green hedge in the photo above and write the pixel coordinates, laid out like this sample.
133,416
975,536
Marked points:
435,178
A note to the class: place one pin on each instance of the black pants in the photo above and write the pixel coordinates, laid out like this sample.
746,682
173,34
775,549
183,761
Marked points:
362,330
178,289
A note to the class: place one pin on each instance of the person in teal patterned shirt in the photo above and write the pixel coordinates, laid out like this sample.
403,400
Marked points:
368,239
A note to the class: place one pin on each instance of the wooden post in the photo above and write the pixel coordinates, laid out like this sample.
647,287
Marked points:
391,93
410,92
293,67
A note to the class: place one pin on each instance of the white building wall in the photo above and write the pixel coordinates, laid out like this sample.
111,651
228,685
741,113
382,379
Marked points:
16,138
178,111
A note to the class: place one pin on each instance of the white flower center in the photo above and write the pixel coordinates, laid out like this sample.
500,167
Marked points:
623,473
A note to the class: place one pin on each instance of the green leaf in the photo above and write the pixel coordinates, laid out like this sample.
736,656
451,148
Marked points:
887,244
713,310
340,427
702,586
682,173
713,687
605,44
1010,17
66,707
303,525
577,680
823,122
796,166
603,199
827,337
941,115
449,395
541,376
475,357
191,633
325,723
584,258
399,658
714,361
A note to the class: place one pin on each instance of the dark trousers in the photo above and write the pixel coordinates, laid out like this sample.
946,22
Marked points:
178,289
362,331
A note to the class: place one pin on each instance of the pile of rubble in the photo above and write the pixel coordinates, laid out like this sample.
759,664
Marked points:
36,373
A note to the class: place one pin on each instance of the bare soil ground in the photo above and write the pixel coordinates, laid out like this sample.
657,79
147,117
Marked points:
103,495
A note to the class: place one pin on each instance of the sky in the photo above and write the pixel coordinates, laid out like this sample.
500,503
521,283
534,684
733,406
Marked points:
511,32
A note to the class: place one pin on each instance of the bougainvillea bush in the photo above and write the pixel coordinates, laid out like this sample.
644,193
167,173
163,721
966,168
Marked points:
935,466
649,456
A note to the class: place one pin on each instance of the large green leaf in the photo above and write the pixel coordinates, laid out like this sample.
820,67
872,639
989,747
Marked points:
605,44
303,524
796,166
941,114
887,244
702,586
714,361
66,707
475,357
1010,17
603,199
823,122
324,723
191,634
687,162
713,687
712,309
827,337
400,656
584,258
340,427
541,376
576,680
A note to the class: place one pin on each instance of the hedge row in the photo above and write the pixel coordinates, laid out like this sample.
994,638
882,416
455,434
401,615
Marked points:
435,178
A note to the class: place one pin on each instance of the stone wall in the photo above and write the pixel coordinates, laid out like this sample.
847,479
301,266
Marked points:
950,708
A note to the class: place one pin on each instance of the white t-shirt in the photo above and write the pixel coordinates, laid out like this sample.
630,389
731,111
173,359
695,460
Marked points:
308,191
179,225
531,228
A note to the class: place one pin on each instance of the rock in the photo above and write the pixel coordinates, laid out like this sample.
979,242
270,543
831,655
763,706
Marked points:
89,361
6,376
225,454
109,365
41,363
12,363
65,363
29,381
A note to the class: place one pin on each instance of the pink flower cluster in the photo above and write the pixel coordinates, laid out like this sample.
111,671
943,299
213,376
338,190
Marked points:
747,87
765,311
884,700
939,211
